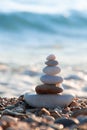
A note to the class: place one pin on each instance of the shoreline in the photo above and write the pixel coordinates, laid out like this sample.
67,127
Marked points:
15,114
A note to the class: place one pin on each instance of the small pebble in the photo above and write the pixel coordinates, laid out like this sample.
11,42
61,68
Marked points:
82,126
44,111
82,119
1,128
67,122
49,118
75,108
55,114
65,110
79,112
9,118
73,104
57,126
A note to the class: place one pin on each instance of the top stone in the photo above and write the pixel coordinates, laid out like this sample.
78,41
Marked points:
51,57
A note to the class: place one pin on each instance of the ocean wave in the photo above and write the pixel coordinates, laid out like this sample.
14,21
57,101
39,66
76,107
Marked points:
43,22
65,18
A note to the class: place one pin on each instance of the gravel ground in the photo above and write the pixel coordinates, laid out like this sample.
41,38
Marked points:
15,114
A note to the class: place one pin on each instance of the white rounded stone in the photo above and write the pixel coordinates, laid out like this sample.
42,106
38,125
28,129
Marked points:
51,70
51,57
48,100
48,79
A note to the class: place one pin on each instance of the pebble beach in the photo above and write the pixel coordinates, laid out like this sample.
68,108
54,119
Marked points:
39,91
16,114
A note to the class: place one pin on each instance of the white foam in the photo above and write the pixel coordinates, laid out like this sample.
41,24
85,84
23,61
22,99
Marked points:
44,6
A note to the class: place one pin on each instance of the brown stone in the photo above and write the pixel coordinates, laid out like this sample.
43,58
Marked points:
48,89
44,111
82,126
1,128
73,104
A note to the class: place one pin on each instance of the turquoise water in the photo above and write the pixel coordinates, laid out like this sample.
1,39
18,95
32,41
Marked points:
42,27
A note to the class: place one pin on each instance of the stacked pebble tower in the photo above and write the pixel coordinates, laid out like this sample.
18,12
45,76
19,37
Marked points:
52,82
49,94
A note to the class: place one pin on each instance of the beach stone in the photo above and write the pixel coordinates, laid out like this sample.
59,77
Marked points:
55,114
82,119
77,113
9,118
48,100
51,63
51,57
48,118
65,110
82,126
74,104
12,113
67,122
57,127
1,128
51,70
48,89
49,79
44,111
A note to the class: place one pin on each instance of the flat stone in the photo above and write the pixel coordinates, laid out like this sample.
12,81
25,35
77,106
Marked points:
77,113
48,100
51,63
51,57
48,79
51,70
48,89
49,118
82,119
9,119
67,122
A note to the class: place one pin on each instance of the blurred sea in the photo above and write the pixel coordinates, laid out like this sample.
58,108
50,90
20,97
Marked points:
30,31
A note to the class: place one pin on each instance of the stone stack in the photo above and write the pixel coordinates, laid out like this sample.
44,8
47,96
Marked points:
48,94
52,82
